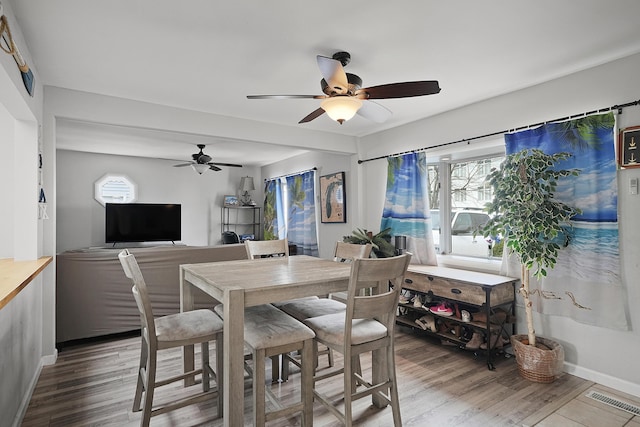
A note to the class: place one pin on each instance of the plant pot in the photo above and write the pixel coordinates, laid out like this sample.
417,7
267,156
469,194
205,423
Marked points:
542,363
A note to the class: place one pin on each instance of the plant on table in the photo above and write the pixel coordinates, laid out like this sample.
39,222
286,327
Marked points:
381,242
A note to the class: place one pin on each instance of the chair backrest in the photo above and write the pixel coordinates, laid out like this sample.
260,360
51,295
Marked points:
346,252
381,306
139,289
259,248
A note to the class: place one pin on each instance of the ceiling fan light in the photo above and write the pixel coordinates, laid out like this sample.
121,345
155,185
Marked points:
200,167
341,108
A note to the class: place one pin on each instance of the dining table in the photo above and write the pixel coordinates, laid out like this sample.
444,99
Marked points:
245,283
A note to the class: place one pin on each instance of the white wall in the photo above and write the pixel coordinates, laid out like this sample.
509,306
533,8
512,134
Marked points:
606,356
81,218
6,175
25,322
326,163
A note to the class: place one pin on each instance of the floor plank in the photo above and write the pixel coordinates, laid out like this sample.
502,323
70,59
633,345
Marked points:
93,384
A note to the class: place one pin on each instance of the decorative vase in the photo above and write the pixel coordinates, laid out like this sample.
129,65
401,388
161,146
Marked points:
542,363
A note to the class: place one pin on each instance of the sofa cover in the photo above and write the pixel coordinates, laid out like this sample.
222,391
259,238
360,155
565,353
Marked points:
93,296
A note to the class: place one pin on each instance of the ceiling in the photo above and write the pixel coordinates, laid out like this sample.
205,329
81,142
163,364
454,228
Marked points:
209,55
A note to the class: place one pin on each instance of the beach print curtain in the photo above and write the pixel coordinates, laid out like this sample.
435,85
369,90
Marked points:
585,284
289,211
406,208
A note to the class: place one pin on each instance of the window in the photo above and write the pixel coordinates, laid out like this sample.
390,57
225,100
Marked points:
468,194
484,193
115,189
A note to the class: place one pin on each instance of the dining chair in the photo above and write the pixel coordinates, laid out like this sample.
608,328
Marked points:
367,325
306,308
267,248
174,330
346,252
269,332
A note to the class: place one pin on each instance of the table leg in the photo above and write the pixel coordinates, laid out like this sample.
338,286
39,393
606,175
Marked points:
186,304
233,383
379,374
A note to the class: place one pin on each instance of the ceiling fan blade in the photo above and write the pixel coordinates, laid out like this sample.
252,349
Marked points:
229,165
313,115
284,96
182,165
333,74
214,168
399,90
375,112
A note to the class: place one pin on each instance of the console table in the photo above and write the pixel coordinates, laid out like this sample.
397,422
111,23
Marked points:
476,292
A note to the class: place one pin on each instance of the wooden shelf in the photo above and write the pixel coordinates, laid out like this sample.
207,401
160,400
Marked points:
15,275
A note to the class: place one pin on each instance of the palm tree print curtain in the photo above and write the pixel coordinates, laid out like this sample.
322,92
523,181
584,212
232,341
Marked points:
406,208
585,284
289,211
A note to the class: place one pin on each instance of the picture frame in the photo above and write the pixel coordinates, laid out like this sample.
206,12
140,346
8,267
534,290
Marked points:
629,147
333,198
231,201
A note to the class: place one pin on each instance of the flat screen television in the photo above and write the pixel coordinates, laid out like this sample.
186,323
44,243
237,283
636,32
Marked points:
142,222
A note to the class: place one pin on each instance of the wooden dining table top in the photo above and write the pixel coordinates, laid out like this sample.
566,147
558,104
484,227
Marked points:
269,280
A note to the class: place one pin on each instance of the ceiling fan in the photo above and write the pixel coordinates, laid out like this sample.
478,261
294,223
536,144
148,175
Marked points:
344,97
201,162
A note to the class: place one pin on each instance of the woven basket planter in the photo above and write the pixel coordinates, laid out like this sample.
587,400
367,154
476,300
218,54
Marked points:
542,363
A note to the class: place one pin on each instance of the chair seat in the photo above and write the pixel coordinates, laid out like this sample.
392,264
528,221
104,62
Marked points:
266,327
281,304
177,330
304,309
330,328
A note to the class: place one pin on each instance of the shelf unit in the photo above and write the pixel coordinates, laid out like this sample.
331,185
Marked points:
480,293
241,220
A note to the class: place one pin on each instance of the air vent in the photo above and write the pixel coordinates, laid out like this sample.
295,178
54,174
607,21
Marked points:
612,401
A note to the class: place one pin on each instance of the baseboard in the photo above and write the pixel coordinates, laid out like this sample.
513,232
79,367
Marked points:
24,405
51,358
603,379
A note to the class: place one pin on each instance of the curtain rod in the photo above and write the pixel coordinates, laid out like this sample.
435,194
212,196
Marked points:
468,140
291,174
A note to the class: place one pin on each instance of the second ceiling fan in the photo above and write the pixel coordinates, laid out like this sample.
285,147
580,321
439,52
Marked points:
344,97
201,162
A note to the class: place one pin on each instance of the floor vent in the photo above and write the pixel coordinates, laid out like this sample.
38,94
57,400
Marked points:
612,401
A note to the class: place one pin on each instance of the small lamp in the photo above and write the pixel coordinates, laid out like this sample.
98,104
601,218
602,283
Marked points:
341,108
200,167
246,185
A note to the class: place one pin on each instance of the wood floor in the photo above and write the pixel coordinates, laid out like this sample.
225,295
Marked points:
93,385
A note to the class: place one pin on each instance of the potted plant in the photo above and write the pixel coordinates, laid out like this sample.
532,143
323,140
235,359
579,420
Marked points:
535,227
381,242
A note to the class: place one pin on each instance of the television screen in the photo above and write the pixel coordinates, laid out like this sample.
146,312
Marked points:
142,222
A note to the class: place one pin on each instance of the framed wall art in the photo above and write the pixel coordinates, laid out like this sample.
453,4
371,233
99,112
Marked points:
333,200
628,150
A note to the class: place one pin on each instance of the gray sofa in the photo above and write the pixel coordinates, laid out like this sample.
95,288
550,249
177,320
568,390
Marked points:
93,296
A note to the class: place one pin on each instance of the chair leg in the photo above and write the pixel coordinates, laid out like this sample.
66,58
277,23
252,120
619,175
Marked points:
259,405
284,374
206,381
220,373
349,389
275,368
355,369
142,368
150,388
393,392
306,382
